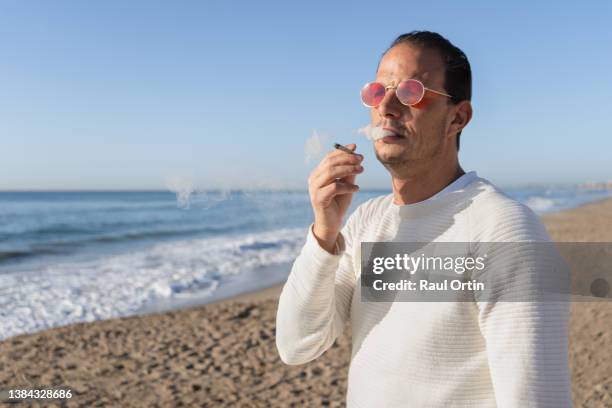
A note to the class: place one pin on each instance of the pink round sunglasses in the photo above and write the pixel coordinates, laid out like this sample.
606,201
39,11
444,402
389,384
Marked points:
409,92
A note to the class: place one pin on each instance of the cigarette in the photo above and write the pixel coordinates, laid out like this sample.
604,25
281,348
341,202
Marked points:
343,148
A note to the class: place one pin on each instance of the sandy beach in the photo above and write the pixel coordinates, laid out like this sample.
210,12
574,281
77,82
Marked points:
224,354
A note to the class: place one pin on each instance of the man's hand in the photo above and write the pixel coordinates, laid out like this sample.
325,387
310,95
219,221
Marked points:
331,187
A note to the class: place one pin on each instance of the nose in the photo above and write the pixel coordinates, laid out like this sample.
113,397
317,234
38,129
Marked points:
390,107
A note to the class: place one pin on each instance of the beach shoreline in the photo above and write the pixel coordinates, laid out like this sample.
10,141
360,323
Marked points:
556,224
223,353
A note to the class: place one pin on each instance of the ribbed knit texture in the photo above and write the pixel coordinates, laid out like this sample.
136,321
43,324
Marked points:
429,354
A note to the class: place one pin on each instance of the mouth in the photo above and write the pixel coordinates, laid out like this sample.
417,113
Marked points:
392,136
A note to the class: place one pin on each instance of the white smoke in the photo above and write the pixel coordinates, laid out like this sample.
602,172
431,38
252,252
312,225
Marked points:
188,196
183,188
374,132
315,146
208,199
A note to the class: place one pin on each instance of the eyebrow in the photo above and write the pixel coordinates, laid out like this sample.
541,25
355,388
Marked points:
413,76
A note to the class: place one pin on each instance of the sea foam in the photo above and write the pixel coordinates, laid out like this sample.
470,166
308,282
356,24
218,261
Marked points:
123,284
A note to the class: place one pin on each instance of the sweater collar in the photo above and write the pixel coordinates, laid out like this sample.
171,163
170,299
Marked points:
416,209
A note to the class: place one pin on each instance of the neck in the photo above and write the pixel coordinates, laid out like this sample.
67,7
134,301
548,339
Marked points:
425,184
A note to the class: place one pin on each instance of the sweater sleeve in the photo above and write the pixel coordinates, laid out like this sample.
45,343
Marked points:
314,304
526,337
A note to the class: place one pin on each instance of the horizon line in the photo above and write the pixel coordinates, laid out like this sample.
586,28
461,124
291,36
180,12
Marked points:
597,185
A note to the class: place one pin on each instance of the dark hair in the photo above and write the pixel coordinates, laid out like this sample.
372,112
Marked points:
458,74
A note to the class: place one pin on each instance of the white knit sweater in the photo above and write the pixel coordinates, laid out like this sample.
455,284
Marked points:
428,354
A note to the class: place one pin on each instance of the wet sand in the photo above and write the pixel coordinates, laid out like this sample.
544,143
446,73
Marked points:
224,354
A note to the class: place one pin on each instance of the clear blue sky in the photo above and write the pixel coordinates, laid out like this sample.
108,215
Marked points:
124,94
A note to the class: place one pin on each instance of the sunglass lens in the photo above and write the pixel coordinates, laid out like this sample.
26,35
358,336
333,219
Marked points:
372,94
410,92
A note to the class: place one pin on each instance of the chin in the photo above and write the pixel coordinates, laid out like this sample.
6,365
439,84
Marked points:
387,156
390,150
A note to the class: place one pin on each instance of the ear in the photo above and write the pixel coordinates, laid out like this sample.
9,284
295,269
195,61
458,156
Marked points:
460,117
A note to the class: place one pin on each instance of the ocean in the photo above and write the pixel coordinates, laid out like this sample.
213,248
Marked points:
68,257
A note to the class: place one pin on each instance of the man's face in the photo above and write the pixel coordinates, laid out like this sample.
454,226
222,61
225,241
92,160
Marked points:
422,128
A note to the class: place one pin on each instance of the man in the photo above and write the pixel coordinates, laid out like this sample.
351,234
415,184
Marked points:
420,354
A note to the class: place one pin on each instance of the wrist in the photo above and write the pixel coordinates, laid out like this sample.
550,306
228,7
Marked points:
328,240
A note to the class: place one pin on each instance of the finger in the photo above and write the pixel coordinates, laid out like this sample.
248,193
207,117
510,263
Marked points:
351,146
327,175
338,187
342,158
338,152
350,179
335,158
